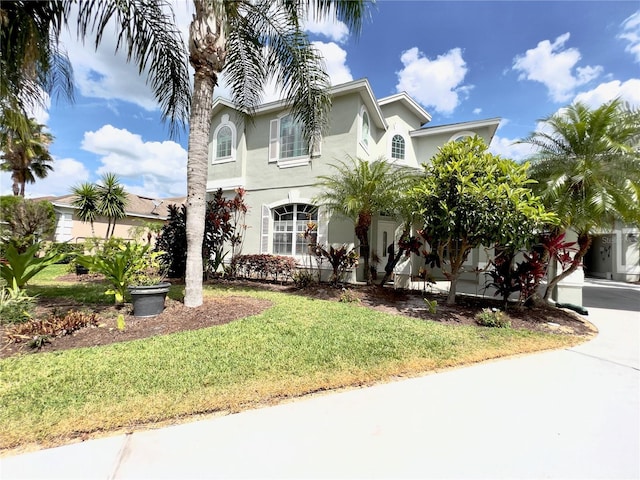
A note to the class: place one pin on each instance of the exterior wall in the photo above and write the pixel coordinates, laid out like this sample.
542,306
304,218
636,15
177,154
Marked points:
615,255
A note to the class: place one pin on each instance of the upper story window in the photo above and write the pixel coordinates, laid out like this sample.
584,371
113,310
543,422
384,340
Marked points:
397,147
289,224
292,142
458,137
365,128
224,141
287,145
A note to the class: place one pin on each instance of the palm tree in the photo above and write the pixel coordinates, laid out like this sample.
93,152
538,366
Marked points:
359,190
250,41
588,170
112,201
25,153
86,201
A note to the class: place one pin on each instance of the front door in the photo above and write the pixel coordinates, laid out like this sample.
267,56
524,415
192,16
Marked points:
385,237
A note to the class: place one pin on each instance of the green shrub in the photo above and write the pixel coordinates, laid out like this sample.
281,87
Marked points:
348,296
21,267
15,305
493,318
303,278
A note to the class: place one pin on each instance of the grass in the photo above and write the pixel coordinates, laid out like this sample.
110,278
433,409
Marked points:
296,347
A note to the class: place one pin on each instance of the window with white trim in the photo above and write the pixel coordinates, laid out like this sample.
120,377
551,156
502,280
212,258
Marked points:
289,224
224,141
397,147
287,145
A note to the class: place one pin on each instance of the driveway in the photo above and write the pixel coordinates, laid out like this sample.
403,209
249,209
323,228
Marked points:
571,413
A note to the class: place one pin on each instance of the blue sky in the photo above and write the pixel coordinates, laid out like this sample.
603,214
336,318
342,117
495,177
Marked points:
461,60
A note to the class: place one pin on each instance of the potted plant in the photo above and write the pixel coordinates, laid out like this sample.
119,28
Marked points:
131,267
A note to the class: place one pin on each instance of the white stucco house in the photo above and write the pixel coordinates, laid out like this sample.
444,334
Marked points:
269,159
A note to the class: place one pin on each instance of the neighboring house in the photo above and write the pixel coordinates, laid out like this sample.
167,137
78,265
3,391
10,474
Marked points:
139,210
615,255
268,157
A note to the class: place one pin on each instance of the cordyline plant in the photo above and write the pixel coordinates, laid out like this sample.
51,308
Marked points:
341,258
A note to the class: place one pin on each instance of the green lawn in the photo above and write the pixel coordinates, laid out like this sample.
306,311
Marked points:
295,347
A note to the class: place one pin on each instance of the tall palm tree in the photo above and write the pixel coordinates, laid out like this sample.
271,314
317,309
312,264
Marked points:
112,200
250,41
588,170
86,201
25,153
360,190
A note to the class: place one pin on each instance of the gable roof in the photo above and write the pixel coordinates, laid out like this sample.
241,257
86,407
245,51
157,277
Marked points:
360,86
409,103
491,123
137,206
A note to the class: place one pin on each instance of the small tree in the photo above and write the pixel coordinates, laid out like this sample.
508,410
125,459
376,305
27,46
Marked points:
469,198
25,221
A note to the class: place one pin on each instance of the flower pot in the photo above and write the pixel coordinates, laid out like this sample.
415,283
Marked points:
81,270
148,300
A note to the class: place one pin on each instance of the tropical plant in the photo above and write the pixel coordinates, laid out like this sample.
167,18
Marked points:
112,200
588,170
469,198
360,190
86,201
25,153
341,258
25,221
493,318
21,267
123,264
16,306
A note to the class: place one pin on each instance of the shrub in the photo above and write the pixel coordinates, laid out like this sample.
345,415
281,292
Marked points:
348,296
25,221
263,266
15,305
492,318
303,278
70,250
341,259
19,268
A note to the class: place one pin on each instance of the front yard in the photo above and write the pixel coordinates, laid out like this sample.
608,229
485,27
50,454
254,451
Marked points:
291,345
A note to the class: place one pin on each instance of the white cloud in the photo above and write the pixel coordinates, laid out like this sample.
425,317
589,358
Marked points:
436,83
508,148
631,33
477,111
628,91
333,30
336,62
162,166
555,67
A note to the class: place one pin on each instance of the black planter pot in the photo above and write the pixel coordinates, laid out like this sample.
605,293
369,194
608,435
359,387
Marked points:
81,270
148,300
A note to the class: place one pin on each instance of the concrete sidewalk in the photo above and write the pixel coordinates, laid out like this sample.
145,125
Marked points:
571,413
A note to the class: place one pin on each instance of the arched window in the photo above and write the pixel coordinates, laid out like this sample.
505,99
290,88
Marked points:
223,142
397,147
289,224
365,129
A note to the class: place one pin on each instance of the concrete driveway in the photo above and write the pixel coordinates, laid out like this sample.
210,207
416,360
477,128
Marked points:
571,413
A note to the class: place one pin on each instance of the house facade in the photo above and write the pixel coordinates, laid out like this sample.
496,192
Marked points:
268,157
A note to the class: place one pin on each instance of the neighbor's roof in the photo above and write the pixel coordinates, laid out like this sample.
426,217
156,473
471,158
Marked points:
137,206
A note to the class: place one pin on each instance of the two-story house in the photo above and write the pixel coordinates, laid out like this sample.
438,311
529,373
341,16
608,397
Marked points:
270,160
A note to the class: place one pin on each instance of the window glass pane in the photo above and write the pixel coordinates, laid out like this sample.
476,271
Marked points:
365,128
289,225
223,142
397,147
292,142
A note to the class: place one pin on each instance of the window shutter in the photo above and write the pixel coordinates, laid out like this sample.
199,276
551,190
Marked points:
264,238
274,136
323,227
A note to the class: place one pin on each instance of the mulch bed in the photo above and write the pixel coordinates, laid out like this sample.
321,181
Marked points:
220,310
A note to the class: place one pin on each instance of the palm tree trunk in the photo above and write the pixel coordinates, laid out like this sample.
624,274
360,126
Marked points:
584,242
197,185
